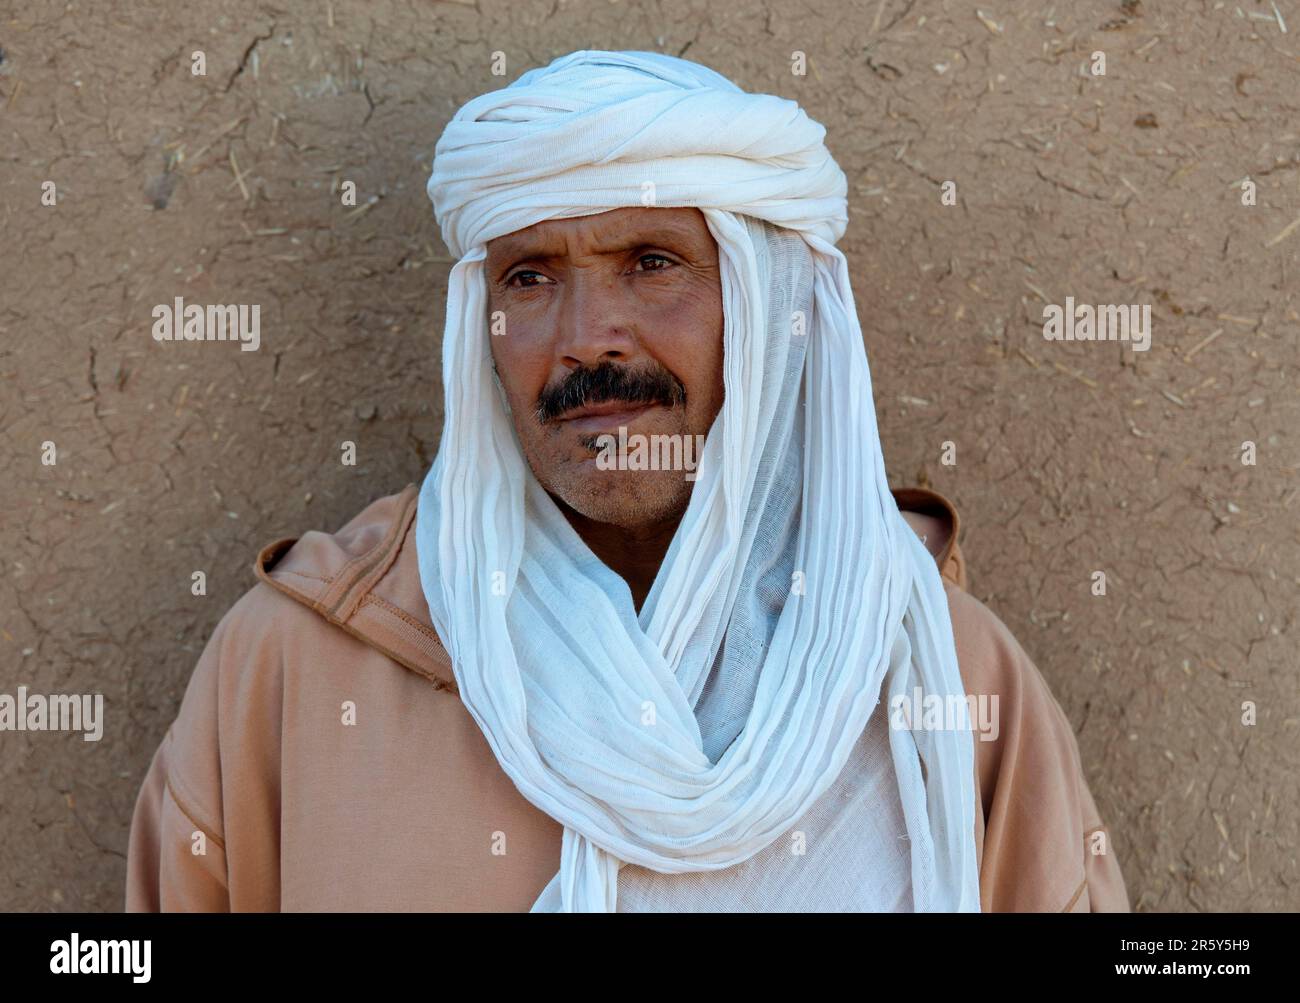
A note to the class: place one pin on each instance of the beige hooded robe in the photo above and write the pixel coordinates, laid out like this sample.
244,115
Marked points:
260,797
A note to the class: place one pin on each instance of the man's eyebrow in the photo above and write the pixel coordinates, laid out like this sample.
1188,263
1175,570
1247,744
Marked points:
543,248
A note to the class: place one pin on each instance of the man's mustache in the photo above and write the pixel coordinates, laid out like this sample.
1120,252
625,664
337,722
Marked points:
609,382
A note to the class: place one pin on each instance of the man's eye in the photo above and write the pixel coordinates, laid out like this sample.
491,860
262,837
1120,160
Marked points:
654,257
523,274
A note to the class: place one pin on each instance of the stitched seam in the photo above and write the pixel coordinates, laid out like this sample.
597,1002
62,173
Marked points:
208,830
370,599
346,578
1077,892
359,574
279,586
382,649
441,684
311,577
387,549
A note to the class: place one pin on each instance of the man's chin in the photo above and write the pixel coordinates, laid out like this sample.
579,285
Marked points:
625,498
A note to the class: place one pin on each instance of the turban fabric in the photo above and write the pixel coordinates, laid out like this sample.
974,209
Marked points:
793,600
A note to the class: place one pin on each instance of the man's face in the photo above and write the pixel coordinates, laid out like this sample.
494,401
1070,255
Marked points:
619,313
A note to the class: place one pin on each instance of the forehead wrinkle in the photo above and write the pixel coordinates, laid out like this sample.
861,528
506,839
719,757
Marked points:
609,237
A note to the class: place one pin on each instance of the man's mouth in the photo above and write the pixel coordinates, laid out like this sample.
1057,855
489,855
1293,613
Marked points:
606,416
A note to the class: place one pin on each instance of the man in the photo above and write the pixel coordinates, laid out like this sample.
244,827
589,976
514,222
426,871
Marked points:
571,677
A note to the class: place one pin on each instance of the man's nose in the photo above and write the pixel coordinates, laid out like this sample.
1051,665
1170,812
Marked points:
595,323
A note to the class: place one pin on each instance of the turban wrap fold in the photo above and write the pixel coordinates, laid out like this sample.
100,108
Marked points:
793,587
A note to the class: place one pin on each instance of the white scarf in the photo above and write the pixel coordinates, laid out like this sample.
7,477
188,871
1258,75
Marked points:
792,575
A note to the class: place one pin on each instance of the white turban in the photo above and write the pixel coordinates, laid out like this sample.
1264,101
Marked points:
793,597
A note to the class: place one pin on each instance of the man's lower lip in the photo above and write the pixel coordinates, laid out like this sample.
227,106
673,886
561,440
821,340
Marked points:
606,422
